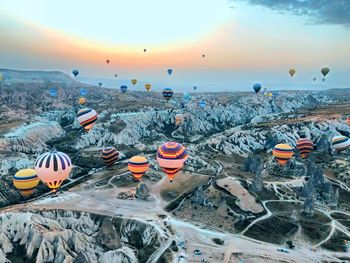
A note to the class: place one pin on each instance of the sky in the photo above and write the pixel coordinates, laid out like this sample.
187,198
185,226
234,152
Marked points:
244,41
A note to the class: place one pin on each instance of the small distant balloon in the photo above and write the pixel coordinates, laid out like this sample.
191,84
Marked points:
202,104
53,92
195,87
115,75
325,71
75,72
170,71
148,87
82,101
167,94
292,72
134,81
83,92
323,79
314,79
100,84
123,88
203,55
257,87
107,61
144,50
1,77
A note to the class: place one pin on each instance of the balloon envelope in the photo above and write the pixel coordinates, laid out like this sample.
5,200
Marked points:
75,72
167,93
292,72
25,181
257,87
325,71
282,153
53,92
304,146
100,84
138,165
82,101
170,71
109,155
133,81
202,104
148,87
123,88
83,92
87,118
53,168
340,143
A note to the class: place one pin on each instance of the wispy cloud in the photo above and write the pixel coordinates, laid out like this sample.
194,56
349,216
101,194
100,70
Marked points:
317,11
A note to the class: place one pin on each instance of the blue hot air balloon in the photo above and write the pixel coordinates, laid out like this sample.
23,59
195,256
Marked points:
75,72
53,92
123,88
195,87
83,92
257,87
170,71
100,84
202,104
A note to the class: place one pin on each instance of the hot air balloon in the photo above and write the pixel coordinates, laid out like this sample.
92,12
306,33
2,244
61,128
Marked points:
170,71
178,119
167,93
53,92
171,157
292,72
82,101
203,55
144,50
87,118
202,104
100,84
257,87
314,79
75,72
53,168
83,92
195,87
138,165
340,143
109,155
1,77
134,81
148,87
25,181
282,153
123,88
304,146
107,61
115,75
325,71
323,79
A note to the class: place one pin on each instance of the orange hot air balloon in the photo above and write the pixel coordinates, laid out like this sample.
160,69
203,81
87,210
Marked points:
304,146
138,165
282,153
82,101
171,157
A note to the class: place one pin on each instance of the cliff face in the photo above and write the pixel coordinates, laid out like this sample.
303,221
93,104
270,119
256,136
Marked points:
62,236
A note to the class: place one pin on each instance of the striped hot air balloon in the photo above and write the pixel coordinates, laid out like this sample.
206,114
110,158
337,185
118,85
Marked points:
87,118
282,153
340,143
25,181
138,165
109,155
53,168
171,157
167,93
304,146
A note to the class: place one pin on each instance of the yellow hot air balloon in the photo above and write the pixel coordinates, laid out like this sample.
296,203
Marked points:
148,87
138,165
292,72
82,101
25,181
283,153
134,81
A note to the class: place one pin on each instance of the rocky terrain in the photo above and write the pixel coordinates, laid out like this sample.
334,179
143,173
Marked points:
231,189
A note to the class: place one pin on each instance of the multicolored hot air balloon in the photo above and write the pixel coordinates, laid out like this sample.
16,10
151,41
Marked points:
134,81
53,168
123,88
148,87
109,155
325,71
292,72
138,165
304,146
87,118
167,93
282,153
53,92
171,157
340,143
82,101
178,119
170,71
83,92
25,181
107,61
75,72
257,87
100,84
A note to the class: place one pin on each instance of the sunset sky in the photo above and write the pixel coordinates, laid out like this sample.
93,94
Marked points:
244,41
